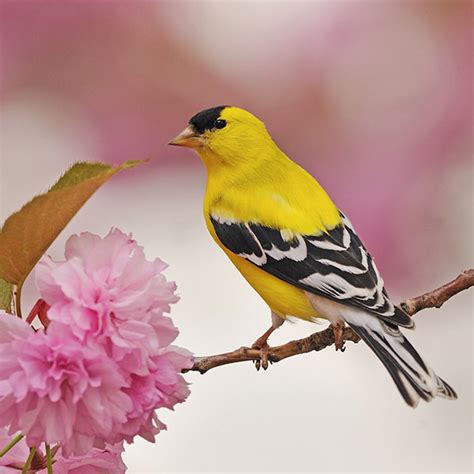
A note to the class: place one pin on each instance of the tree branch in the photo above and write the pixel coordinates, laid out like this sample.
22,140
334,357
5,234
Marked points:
322,339
436,298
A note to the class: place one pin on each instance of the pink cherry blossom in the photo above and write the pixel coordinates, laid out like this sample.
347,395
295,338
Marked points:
104,363
96,461
55,389
163,386
106,289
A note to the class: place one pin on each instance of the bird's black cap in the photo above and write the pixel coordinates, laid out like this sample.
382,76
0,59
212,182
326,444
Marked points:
205,119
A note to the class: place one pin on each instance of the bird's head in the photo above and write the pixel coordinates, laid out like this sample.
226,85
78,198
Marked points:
226,136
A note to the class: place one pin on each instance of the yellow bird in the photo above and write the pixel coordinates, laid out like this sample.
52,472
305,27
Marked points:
298,251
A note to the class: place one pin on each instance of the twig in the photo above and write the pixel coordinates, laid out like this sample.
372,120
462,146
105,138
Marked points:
322,339
436,298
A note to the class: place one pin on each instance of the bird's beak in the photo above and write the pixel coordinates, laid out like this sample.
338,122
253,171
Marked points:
189,137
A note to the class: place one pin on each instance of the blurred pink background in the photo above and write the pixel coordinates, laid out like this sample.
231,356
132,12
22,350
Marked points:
374,98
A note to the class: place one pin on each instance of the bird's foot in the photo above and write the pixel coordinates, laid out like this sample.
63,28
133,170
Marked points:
262,342
338,329
262,345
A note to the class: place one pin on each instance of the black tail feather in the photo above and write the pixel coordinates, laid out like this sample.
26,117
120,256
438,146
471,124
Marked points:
413,378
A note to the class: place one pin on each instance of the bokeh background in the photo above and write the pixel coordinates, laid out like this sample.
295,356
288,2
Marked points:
373,97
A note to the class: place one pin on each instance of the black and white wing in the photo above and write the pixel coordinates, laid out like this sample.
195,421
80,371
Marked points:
335,264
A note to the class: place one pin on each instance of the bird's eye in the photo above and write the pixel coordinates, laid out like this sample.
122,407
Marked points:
220,123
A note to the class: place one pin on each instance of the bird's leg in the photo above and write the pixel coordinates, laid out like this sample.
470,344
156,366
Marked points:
262,342
338,329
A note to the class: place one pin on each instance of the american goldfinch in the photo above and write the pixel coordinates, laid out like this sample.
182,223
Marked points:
298,251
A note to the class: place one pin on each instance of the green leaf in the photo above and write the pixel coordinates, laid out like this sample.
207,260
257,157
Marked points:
6,295
27,234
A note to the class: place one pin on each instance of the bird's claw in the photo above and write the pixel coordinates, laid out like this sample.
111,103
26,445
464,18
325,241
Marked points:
338,339
264,349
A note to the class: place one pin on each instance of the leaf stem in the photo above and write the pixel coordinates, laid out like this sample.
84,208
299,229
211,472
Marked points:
12,443
27,465
18,300
49,459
